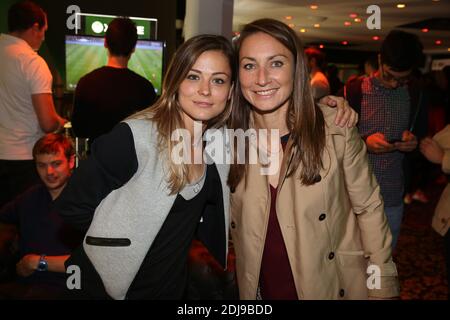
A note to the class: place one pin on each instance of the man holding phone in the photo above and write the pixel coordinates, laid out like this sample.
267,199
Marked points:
387,119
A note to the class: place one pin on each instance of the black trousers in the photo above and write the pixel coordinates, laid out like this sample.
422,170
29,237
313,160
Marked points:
15,177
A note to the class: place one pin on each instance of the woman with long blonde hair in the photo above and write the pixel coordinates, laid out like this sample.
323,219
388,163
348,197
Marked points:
141,207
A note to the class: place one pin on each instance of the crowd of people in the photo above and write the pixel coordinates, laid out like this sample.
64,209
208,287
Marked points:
310,228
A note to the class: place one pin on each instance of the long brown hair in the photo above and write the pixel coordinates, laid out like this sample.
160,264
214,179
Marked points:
304,119
166,112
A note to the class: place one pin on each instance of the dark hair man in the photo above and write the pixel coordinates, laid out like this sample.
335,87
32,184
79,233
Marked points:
388,115
371,65
45,242
109,94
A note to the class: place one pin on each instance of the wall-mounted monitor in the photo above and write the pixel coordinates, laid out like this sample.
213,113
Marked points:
85,54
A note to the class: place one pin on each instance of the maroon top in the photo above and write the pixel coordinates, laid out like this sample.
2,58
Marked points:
276,280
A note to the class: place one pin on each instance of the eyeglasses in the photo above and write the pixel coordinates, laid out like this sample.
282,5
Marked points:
387,76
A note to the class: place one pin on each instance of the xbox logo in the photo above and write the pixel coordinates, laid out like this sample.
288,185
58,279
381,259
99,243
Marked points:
99,27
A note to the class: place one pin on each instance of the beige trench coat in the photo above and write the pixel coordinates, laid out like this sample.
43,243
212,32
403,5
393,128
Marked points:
329,257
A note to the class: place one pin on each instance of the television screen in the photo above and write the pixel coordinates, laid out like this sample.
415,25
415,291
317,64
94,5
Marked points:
85,54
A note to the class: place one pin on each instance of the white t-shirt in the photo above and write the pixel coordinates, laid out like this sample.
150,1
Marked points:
320,85
22,73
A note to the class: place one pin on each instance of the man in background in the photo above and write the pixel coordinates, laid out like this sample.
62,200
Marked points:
319,81
389,113
26,103
371,65
44,240
109,94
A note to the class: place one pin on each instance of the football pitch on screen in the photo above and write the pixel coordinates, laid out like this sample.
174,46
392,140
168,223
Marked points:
82,59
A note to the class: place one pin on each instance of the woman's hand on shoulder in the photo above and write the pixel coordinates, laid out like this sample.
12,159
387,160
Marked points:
345,115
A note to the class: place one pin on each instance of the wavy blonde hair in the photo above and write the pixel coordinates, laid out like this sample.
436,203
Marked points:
166,113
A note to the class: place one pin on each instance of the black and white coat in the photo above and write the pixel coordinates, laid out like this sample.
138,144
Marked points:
125,219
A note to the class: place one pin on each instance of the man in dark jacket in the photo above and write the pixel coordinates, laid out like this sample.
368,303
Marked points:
44,240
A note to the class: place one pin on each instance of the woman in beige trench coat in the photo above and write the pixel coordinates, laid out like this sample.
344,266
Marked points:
314,228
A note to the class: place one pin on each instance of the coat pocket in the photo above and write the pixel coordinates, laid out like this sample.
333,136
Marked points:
352,259
108,242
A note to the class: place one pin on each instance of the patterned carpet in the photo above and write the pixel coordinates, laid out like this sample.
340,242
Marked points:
420,252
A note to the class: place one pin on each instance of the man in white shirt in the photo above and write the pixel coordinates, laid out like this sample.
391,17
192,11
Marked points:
319,82
26,104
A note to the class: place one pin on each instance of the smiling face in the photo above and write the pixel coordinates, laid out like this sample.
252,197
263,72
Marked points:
54,169
204,93
266,72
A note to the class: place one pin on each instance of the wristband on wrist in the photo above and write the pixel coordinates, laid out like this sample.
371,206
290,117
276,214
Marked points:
43,264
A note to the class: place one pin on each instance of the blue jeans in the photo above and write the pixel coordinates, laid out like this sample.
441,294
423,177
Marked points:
394,216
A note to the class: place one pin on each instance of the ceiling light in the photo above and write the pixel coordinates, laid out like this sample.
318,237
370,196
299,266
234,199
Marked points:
314,7
425,30
353,15
316,25
302,30
401,5
347,23
291,25
344,43
357,20
375,38
322,46
438,42
288,17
